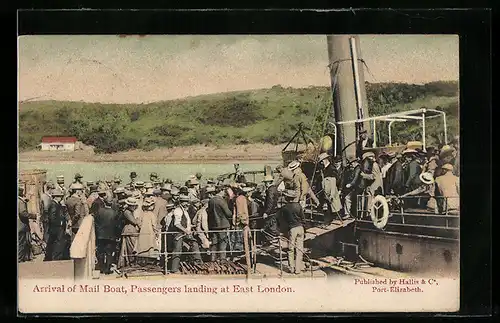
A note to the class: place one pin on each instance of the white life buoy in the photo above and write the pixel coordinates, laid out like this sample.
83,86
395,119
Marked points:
378,202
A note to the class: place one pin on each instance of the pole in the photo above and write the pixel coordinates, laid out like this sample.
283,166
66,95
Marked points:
423,132
346,93
354,55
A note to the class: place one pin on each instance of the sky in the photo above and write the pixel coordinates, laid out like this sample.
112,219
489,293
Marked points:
113,69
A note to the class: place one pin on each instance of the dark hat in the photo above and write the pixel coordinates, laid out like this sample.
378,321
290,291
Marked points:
363,131
153,174
337,158
93,188
133,174
78,175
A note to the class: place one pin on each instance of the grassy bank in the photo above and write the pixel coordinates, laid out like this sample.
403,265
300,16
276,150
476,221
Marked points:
269,116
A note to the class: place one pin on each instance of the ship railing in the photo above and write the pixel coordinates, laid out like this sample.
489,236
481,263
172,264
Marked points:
251,247
438,205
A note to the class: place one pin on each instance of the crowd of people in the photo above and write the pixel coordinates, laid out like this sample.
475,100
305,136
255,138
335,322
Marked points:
205,220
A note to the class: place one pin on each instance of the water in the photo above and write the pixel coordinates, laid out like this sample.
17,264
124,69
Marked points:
103,170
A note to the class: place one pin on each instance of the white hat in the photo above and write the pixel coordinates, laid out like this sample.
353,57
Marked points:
293,165
426,178
131,201
76,186
323,156
409,151
447,166
368,154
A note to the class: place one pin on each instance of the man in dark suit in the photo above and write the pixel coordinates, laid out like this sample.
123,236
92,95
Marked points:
106,221
394,179
76,209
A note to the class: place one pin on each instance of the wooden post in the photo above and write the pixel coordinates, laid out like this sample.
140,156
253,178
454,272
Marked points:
246,231
82,249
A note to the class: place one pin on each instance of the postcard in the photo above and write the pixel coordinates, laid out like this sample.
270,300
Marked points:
238,173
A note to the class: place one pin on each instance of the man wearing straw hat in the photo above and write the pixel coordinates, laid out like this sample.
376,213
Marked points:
448,190
426,189
293,216
330,187
76,207
270,209
301,182
60,184
46,201
219,219
413,169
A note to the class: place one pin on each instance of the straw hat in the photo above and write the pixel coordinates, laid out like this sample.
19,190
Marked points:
174,191
293,165
136,195
210,189
119,190
426,178
368,154
268,178
193,181
247,189
57,192
409,151
139,184
323,156
184,198
131,201
149,192
447,166
290,193
166,187
76,186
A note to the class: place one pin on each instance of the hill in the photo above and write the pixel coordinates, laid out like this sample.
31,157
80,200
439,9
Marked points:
259,116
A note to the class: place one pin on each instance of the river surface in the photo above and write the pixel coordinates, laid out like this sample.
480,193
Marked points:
178,172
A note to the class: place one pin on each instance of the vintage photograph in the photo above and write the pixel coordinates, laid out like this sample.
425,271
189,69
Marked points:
261,165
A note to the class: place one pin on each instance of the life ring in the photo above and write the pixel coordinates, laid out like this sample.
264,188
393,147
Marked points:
378,202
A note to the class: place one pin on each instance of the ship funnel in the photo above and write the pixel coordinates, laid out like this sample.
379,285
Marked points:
348,88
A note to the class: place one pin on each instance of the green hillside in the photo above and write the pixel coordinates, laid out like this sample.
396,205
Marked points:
266,116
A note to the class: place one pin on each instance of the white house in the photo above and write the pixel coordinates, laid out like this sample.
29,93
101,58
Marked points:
58,143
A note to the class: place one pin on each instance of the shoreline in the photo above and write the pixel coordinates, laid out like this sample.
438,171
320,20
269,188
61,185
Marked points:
252,153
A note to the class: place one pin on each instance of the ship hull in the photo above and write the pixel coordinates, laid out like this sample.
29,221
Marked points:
417,243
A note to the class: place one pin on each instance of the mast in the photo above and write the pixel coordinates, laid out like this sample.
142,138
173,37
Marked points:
348,88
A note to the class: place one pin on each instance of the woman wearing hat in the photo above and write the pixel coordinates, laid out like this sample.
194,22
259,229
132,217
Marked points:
147,247
130,233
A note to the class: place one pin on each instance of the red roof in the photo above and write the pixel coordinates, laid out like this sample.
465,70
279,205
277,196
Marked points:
58,139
